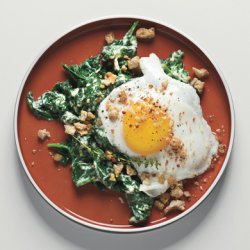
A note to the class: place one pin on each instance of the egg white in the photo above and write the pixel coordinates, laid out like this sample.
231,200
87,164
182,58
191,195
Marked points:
191,128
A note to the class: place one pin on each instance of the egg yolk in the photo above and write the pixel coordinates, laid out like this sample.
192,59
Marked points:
146,128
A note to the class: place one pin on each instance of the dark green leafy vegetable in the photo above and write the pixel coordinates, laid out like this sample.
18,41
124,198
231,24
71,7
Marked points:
63,87
122,78
100,137
69,118
64,149
128,184
86,72
140,204
119,48
77,100
87,76
82,172
173,66
49,106
103,170
74,96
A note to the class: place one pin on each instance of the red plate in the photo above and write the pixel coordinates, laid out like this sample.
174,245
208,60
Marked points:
87,205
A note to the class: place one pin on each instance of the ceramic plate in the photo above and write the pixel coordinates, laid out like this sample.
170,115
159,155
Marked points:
87,205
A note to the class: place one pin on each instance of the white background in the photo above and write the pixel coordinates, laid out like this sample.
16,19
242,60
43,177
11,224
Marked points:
222,221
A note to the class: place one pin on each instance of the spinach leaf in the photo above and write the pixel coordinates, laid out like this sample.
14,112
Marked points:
64,149
128,184
100,137
69,118
63,88
103,170
141,205
81,147
87,76
82,172
86,72
74,96
94,95
122,78
174,67
104,144
63,102
49,106
119,48
77,100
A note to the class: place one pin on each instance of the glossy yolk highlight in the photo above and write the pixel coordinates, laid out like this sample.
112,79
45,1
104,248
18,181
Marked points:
146,128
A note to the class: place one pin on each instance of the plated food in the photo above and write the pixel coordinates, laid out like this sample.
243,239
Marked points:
134,125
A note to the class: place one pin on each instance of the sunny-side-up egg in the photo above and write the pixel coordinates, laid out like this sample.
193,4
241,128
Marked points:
158,122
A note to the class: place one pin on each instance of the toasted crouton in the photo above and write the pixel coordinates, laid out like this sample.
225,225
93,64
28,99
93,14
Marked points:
90,116
57,157
198,85
43,133
145,34
83,115
133,63
200,73
165,198
109,38
187,194
175,205
69,129
110,77
113,113
176,192
118,169
159,205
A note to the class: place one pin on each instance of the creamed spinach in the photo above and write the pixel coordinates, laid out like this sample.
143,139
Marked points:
82,91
